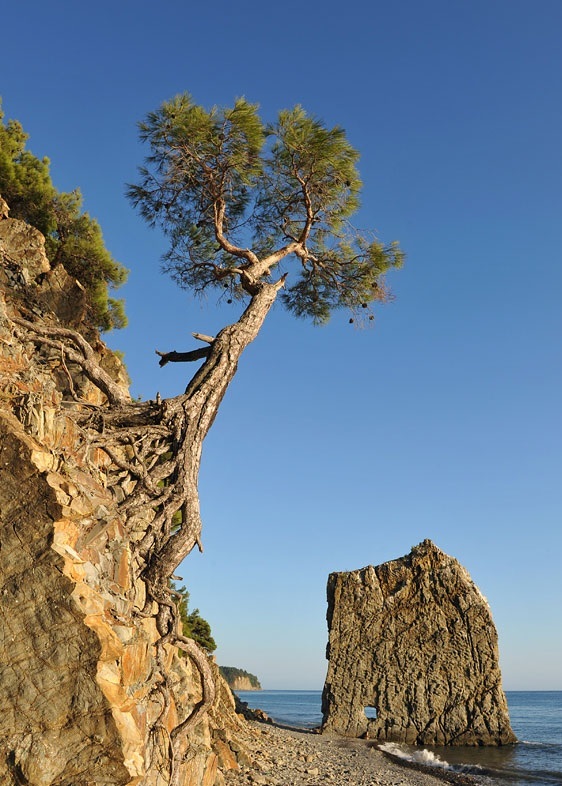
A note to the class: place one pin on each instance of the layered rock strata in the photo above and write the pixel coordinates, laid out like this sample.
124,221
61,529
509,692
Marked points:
79,682
413,655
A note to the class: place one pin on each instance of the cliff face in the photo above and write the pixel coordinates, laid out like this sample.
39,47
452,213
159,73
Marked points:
413,641
243,683
79,698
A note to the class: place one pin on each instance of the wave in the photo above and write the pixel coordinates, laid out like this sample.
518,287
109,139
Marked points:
503,774
423,756
547,746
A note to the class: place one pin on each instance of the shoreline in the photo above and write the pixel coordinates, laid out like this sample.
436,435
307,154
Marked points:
280,755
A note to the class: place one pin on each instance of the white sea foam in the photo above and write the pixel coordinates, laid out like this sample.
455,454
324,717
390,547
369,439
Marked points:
426,758
423,756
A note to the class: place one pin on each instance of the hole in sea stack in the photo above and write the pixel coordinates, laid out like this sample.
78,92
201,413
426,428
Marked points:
371,713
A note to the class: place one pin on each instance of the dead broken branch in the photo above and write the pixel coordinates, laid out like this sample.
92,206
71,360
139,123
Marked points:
183,357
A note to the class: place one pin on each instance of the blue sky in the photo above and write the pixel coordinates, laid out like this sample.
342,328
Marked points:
337,448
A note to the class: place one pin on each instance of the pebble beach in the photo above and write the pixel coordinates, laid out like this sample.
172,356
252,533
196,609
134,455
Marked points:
282,756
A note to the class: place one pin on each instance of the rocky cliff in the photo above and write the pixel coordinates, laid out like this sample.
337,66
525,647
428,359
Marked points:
243,683
413,655
239,679
81,696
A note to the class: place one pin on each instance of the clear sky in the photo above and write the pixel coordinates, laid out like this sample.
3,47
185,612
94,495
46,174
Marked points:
337,448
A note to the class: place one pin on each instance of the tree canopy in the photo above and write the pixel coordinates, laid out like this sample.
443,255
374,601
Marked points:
244,202
73,238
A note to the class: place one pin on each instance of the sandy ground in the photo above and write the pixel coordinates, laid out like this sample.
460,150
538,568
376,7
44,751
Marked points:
287,757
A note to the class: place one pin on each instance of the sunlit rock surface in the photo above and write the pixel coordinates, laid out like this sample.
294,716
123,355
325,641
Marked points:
79,703
413,655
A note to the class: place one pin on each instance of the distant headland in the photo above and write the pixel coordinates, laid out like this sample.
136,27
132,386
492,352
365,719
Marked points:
238,679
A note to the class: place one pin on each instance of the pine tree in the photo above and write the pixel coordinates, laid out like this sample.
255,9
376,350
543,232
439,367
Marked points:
251,210
73,238
244,204
257,212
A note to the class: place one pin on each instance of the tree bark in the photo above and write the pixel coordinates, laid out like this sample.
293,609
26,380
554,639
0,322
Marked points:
192,415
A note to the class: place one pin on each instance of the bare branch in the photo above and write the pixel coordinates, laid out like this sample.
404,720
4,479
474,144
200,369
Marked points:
182,357
203,337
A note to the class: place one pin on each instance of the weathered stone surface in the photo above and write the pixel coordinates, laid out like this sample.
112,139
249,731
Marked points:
78,672
64,295
413,639
242,683
48,656
4,209
23,245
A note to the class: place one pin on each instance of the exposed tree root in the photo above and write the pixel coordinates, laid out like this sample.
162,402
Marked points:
157,447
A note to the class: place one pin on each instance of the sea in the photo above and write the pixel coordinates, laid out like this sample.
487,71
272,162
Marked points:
536,719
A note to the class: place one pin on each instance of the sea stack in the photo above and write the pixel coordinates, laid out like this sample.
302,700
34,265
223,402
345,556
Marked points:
413,655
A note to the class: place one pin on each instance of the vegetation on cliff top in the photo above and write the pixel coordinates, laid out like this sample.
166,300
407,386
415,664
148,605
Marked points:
73,238
231,674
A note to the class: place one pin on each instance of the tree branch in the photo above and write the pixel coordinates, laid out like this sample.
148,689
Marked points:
203,337
183,357
222,240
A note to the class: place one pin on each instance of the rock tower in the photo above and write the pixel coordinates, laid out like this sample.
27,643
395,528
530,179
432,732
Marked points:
413,655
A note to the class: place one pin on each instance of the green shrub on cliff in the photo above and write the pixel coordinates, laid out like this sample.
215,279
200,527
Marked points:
193,624
73,238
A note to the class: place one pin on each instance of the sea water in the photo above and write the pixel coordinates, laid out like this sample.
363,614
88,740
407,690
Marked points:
536,719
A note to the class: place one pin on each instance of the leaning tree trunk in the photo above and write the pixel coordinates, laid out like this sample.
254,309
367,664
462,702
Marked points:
189,418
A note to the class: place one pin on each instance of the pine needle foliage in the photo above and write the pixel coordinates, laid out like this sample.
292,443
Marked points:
193,624
73,238
242,201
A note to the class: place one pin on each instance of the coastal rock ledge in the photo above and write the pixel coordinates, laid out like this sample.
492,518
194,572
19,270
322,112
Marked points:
413,655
